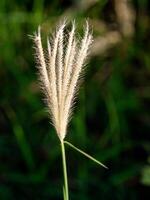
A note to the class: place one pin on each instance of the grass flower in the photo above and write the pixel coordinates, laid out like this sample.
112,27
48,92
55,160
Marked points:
60,69
60,72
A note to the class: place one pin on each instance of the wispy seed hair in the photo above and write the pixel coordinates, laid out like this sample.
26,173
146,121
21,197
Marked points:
60,70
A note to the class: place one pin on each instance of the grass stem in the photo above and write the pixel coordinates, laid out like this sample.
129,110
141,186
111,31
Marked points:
66,191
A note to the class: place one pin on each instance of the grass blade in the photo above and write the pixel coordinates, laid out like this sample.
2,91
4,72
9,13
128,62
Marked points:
85,154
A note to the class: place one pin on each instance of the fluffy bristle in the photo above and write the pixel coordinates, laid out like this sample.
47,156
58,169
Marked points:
59,73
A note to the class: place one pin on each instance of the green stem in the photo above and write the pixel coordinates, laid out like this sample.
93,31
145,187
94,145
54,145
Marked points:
64,171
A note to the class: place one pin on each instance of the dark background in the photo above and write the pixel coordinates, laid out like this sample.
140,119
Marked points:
110,121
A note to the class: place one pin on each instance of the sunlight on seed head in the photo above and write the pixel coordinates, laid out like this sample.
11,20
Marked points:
60,72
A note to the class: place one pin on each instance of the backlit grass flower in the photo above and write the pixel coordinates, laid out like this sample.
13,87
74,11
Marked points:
60,69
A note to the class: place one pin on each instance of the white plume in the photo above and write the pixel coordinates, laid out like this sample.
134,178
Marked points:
60,72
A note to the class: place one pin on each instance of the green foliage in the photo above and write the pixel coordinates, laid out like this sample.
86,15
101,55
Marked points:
146,175
111,118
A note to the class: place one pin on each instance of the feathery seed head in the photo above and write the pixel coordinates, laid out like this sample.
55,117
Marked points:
60,72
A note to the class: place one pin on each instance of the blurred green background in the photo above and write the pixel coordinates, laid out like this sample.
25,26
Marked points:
110,121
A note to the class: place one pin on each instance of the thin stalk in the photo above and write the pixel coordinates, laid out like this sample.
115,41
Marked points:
66,192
